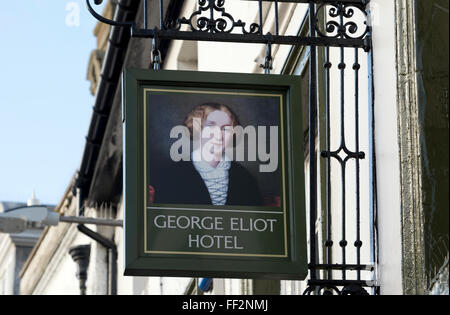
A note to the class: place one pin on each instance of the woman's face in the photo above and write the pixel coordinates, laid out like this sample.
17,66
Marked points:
216,134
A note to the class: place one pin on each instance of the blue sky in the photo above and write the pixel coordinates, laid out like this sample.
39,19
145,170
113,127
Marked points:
45,102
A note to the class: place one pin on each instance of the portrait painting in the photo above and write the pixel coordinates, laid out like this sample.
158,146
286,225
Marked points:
213,148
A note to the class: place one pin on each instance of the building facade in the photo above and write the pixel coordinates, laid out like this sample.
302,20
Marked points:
385,212
15,249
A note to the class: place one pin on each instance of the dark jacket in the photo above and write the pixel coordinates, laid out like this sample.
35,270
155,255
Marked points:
182,184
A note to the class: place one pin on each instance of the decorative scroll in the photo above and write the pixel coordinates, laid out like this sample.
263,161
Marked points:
351,289
211,21
340,21
225,23
105,20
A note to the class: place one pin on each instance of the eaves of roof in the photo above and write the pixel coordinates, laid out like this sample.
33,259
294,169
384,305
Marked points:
109,79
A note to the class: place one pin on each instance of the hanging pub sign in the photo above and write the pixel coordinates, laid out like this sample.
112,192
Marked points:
214,181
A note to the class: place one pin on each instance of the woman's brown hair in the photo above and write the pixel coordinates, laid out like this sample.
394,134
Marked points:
202,111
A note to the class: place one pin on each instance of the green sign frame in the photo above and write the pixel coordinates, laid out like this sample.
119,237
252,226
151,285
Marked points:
265,251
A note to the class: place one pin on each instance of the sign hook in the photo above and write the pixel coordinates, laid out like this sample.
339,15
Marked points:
156,53
268,60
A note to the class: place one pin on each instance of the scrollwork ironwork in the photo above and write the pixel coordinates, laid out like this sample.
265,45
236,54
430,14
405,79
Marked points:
210,22
103,19
338,25
198,22
322,290
351,289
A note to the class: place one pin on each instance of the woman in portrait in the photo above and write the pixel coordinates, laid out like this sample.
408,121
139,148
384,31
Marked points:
210,177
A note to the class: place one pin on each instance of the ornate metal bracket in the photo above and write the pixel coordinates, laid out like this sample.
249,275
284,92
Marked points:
211,22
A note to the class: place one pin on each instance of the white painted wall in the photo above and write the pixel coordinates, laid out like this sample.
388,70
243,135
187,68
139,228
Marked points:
386,146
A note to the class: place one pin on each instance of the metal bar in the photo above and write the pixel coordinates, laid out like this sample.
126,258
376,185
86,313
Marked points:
372,165
330,267
312,143
342,73
338,283
328,242
112,271
260,17
248,38
343,242
358,243
161,18
277,26
211,13
145,14
96,221
355,2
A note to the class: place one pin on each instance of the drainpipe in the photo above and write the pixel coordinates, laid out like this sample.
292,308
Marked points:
112,257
